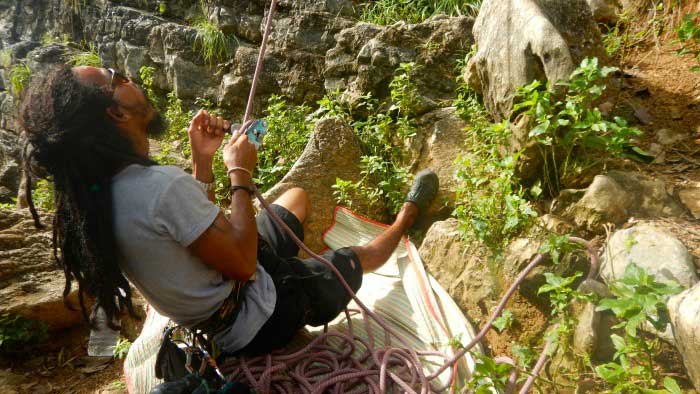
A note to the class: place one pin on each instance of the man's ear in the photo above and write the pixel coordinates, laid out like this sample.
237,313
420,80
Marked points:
117,114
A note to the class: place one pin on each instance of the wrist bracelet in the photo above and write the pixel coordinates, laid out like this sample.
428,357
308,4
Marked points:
240,187
247,171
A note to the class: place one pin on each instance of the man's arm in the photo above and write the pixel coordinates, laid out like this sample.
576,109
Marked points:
229,245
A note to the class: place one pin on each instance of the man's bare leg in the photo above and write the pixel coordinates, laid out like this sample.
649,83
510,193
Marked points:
296,201
374,254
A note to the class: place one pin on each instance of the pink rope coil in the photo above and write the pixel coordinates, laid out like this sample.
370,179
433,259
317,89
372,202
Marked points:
322,367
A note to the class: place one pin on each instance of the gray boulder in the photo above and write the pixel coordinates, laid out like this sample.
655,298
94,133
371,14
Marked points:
651,248
333,151
684,311
617,196
462,269
520,41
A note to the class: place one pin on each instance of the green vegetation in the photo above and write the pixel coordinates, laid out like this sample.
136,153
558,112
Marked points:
289,128
43,195
386,12
573,134
214,45
504,321
383,133
89,57
620,39
9,205
20,74
6,58
18,333
489,377
121,349
689,37
490,204
640,299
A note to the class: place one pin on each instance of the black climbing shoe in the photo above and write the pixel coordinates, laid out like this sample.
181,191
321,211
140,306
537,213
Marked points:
424,189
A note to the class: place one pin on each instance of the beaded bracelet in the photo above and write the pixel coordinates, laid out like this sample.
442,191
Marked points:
247,171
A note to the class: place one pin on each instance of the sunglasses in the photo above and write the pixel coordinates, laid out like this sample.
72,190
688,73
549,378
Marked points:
117,78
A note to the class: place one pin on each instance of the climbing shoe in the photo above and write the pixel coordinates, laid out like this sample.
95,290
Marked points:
424,189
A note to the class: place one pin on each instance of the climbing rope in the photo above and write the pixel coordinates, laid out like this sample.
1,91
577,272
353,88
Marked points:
356,366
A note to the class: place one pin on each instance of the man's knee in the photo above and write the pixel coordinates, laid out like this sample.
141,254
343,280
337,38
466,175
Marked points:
295,200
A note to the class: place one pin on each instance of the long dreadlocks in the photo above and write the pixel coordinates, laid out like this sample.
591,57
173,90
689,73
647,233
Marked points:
71,138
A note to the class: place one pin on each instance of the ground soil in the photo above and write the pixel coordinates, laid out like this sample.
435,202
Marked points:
59,366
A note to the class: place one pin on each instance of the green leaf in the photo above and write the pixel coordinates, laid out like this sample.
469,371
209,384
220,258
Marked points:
671,385
539,129
504,321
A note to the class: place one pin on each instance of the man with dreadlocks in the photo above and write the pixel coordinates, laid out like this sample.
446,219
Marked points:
121,215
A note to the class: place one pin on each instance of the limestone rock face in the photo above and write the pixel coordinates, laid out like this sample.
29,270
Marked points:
366,56
459,268
333,151
690,197
617,196
605,11
30,284
523,40
684,311
9,165
651,248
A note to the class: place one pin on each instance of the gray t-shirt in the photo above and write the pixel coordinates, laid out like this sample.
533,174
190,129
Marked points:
158,212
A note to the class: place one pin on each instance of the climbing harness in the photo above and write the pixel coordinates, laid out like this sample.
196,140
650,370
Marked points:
319,367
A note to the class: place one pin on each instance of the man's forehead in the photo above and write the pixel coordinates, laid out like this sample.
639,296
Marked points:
91,75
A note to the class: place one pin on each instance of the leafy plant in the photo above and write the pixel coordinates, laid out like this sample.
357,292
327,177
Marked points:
9,205
626,34
524,355
490,205
404,93
382,133
561,294
386,12
504,321
18,332
689,37
6,58
639,299
147,75
20,74
121,349
289,128
43,195
569,128
89,57
118,385
213,44
488,376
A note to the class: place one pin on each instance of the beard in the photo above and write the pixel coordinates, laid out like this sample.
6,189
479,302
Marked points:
157,126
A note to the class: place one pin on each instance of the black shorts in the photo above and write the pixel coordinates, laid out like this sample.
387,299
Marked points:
308,292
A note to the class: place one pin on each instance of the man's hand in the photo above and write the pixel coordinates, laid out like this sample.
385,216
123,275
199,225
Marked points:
206,134
239,152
